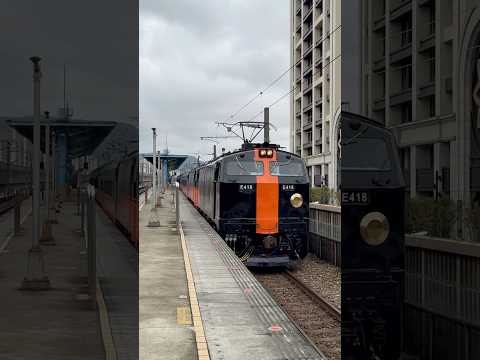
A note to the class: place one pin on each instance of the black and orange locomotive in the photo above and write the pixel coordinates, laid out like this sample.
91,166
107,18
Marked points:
257,199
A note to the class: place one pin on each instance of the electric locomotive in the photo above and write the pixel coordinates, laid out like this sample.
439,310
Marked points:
257,198
373,197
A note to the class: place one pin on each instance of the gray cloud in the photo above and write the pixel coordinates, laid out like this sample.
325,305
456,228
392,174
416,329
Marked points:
201,60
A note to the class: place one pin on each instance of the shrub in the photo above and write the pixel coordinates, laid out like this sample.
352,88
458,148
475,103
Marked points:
472,222
434,216
323,195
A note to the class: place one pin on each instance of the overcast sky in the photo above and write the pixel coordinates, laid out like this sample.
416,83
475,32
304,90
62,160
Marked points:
200,61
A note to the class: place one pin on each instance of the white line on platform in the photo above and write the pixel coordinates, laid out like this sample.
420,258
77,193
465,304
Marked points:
108,343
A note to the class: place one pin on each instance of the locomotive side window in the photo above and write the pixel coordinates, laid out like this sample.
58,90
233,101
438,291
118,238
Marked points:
238,167
287,168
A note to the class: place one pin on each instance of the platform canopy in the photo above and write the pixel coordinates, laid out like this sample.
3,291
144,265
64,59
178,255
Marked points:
174,161
82,136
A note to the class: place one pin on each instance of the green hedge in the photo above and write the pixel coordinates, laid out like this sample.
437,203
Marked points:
434,216
324,195
472,220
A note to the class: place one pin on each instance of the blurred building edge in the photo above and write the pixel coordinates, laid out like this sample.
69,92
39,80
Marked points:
315,79
421,78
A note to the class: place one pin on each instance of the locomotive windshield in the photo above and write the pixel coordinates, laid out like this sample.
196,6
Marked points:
367,154
239,167
287,168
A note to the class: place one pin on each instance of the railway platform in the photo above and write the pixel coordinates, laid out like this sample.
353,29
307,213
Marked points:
62,323
166,327
231,315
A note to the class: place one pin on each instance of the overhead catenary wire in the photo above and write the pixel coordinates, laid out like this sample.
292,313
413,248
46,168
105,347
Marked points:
278,78
275,102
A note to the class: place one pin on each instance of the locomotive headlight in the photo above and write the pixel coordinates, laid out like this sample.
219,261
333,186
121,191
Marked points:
296,200
263,152
374,228
269,153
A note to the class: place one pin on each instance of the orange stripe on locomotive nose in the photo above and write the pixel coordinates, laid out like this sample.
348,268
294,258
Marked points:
267,197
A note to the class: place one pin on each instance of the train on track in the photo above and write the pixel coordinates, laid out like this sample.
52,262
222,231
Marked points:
117,189
14,179
257,199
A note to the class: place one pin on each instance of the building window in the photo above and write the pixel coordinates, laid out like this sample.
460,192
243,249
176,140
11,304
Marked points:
431,106
406,77
406,113
406,29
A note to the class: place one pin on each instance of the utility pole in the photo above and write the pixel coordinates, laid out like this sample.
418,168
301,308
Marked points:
154,221
154,160
36,278
214,139
266,127
54,180
47,229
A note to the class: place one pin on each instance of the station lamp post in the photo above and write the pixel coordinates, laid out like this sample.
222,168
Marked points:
36,277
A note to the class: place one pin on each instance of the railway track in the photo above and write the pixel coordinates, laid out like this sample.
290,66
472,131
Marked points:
333,311
313,315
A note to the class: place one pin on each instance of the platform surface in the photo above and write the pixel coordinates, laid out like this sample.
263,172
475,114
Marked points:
117,273
166,330
237,312
55,324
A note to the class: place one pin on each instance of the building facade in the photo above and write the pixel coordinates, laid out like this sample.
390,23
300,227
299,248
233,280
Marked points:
315,45
421,67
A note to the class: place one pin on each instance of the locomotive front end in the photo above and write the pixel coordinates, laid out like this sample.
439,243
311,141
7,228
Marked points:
265,209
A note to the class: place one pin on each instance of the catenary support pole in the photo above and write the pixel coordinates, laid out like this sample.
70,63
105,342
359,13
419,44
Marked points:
154,161
36,277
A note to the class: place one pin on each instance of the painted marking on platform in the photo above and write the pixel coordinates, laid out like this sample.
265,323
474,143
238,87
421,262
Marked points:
201,341
184,316
275,328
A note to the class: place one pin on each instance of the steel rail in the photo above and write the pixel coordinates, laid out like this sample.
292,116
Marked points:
324,304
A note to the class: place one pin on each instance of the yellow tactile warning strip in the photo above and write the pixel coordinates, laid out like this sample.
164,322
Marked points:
202,346
110,352
183,316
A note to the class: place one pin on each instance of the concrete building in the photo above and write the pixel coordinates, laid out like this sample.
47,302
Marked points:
421,67
315,44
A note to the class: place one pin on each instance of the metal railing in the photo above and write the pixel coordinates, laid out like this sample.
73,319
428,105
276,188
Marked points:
325,232
88,235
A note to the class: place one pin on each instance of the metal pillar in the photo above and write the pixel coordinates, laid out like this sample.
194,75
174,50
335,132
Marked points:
177,205
53,220
47,236
154,221
36,277
154,160
266,128
164,173
92,244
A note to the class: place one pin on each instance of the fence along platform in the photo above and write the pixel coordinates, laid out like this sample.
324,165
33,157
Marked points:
326,233
442,287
